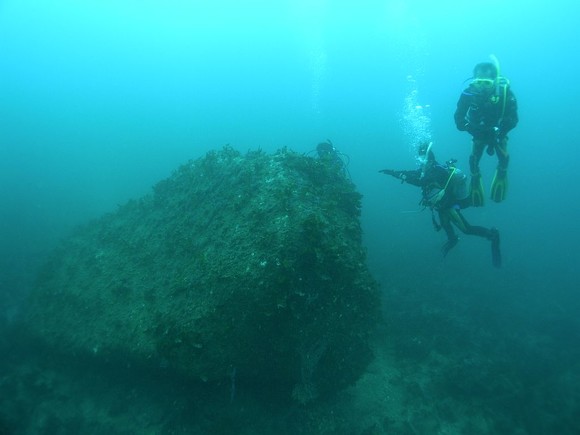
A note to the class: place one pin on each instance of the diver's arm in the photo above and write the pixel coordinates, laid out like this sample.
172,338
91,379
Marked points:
411,177
461,112
510,117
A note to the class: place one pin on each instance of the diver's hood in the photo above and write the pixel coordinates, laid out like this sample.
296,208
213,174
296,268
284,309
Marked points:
425,154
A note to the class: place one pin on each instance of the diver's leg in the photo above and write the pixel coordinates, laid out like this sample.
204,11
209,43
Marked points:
491,234
465,227
503,157
452,239
500,181
475,157
476,192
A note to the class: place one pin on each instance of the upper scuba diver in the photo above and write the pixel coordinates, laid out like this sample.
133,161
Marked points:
487,110
444,189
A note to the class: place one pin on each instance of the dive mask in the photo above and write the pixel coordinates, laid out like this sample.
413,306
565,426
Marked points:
483,83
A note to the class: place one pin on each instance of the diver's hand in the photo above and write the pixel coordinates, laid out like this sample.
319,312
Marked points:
397,174
500,136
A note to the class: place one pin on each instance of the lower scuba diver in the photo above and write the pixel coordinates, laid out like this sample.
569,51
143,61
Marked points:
487,109
444,190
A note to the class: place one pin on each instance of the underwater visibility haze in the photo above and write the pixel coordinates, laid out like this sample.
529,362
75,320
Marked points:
99,101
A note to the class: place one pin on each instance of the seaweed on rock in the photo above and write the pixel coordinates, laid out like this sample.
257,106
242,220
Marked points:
248,262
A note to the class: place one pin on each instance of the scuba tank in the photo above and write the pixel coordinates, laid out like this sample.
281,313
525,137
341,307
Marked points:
446,180
501,87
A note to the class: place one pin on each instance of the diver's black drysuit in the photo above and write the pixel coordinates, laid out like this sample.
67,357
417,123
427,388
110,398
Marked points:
488,115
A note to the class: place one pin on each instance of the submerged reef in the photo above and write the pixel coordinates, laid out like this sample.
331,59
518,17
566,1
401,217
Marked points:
235,269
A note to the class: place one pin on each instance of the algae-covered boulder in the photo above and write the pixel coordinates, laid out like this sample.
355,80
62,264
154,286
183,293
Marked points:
245,267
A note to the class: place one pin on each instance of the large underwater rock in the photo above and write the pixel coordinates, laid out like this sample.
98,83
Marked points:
237,266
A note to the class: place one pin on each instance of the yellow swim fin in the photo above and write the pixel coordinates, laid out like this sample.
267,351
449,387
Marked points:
499,185
476,191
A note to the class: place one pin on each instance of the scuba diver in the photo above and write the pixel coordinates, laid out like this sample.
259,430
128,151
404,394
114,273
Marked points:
327,152
444,189
487,110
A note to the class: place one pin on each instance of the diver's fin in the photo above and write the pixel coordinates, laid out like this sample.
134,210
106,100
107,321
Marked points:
495,251
476,191
499,185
